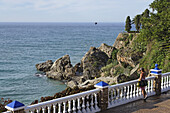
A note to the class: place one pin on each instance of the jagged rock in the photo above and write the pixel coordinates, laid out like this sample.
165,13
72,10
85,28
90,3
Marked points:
61,69
119,42
109,80
78,69
44,66
72,84
93,61
125,60
61,64
55,75
107,49
82,80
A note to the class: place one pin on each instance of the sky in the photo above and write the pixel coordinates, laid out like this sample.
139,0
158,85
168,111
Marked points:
70,10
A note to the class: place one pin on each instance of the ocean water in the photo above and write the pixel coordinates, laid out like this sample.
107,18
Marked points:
22,45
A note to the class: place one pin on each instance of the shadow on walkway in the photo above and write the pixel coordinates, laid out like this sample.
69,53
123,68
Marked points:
154,104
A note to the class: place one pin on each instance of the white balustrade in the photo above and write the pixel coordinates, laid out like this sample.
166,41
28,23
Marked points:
70,104
165,82
128,92
87,102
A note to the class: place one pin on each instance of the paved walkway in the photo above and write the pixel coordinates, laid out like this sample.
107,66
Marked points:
154,104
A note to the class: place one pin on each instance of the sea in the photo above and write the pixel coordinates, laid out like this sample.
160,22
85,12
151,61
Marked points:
23,45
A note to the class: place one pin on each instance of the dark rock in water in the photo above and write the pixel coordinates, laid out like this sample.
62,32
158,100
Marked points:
44,66
61,64
61,69
55,75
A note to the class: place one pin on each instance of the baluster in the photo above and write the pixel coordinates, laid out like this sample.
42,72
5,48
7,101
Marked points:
64,107
69,106
152,86
92,103
137,91
127,92
131,91
111,98
38,110
146,89
121,94
118,95
83,105
43,110
54,108
114,95
162,83
78,107
74,106
149,87
134,90
59,108
167,82
87,104
96,106
49,109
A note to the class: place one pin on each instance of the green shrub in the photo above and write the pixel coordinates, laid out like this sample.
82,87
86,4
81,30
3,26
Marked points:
126,42
118,70
114,53
130,37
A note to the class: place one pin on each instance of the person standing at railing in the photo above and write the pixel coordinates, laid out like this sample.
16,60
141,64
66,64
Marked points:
143,82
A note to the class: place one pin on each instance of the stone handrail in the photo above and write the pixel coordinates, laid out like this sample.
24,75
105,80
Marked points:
127,92
85,102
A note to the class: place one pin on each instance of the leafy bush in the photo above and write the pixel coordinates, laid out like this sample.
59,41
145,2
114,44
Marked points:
130,37
118,70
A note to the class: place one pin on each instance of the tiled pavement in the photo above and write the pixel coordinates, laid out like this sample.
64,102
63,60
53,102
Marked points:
154,104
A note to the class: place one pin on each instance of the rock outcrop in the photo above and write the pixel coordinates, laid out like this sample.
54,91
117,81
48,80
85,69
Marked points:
119,58
44,66
106,49
93,61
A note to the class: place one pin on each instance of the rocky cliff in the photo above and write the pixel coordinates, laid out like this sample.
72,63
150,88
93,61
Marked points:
118,61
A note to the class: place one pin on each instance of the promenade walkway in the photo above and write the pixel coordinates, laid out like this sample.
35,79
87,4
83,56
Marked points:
154,104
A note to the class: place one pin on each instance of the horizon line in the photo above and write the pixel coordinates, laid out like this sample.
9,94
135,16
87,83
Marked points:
62,22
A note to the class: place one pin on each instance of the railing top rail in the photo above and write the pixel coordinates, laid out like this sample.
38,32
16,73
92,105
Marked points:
63,99
166,74
7,112
129,82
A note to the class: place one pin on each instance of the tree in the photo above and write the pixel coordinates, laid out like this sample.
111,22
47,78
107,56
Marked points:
154,38
137,22
145,14
128,24
157,26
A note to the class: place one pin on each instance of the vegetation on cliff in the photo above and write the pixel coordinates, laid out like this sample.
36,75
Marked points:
154,38
151,45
